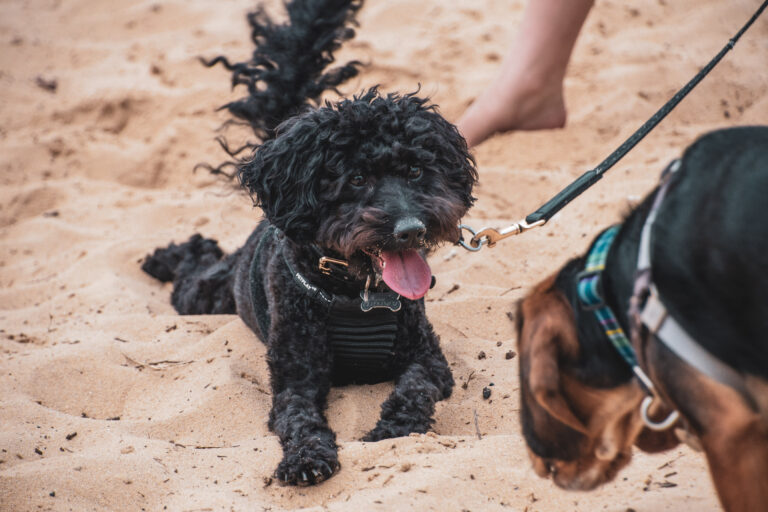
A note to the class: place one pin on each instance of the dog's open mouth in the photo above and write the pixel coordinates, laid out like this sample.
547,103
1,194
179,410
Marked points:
406,272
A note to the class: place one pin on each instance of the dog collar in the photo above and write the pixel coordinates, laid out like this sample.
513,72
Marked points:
335,268
338,269
590,293
369,300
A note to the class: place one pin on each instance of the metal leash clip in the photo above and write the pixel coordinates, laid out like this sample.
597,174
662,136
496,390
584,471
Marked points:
489,236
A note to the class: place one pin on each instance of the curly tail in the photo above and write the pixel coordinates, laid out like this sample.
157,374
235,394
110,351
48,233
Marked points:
287,69
285,74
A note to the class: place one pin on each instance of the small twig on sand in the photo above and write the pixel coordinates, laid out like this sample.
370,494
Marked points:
469,378
165,363
155,365
509,290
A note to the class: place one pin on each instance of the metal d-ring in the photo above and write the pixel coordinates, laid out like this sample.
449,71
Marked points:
657,426
469,246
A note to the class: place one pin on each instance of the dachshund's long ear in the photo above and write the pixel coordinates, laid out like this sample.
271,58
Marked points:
546,335
283,177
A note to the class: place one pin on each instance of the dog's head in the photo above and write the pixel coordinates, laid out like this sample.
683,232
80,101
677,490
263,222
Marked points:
579,405
377,180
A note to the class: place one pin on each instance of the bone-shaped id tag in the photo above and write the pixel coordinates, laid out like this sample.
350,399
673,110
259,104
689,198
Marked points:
385,300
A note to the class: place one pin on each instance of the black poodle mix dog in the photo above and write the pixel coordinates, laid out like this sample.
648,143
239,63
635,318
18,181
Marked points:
355,195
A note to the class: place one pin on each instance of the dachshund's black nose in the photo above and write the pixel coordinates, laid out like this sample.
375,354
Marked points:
410,231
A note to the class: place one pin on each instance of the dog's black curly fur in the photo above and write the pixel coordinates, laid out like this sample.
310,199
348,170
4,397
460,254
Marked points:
336,180
287,68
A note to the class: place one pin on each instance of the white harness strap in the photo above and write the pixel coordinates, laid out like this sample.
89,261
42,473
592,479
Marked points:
656,318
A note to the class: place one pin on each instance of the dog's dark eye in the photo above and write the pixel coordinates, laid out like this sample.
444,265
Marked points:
358,180
414,173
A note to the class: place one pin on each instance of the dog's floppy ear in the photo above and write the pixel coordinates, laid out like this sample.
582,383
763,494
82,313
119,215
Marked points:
283,176
546,331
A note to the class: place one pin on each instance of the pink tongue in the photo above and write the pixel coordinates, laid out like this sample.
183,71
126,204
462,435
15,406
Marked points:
406,273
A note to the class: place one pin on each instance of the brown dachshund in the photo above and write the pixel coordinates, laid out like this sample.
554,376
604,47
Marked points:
580,405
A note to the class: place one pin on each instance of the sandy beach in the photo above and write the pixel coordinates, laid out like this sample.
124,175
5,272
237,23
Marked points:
109,400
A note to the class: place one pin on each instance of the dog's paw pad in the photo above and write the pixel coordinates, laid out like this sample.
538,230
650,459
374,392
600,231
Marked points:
303,470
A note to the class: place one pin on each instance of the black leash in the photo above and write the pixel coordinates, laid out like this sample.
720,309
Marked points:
490,236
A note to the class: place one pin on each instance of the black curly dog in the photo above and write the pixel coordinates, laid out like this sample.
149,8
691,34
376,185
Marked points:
374,183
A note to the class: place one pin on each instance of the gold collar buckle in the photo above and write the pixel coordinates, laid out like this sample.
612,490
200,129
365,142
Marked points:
325,261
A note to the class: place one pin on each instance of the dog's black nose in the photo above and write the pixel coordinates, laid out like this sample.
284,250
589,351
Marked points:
410,231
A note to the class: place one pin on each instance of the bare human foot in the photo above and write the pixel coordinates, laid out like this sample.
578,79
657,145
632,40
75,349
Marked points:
519,106
527,94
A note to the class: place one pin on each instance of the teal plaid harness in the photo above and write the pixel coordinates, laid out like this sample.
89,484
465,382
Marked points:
590,292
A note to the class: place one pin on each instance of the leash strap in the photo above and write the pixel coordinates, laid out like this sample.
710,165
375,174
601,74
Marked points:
489,236
589,178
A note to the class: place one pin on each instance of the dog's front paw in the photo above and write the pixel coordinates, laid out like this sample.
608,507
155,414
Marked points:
388,430
308,466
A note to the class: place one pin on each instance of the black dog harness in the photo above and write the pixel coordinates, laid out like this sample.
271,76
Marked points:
361,330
